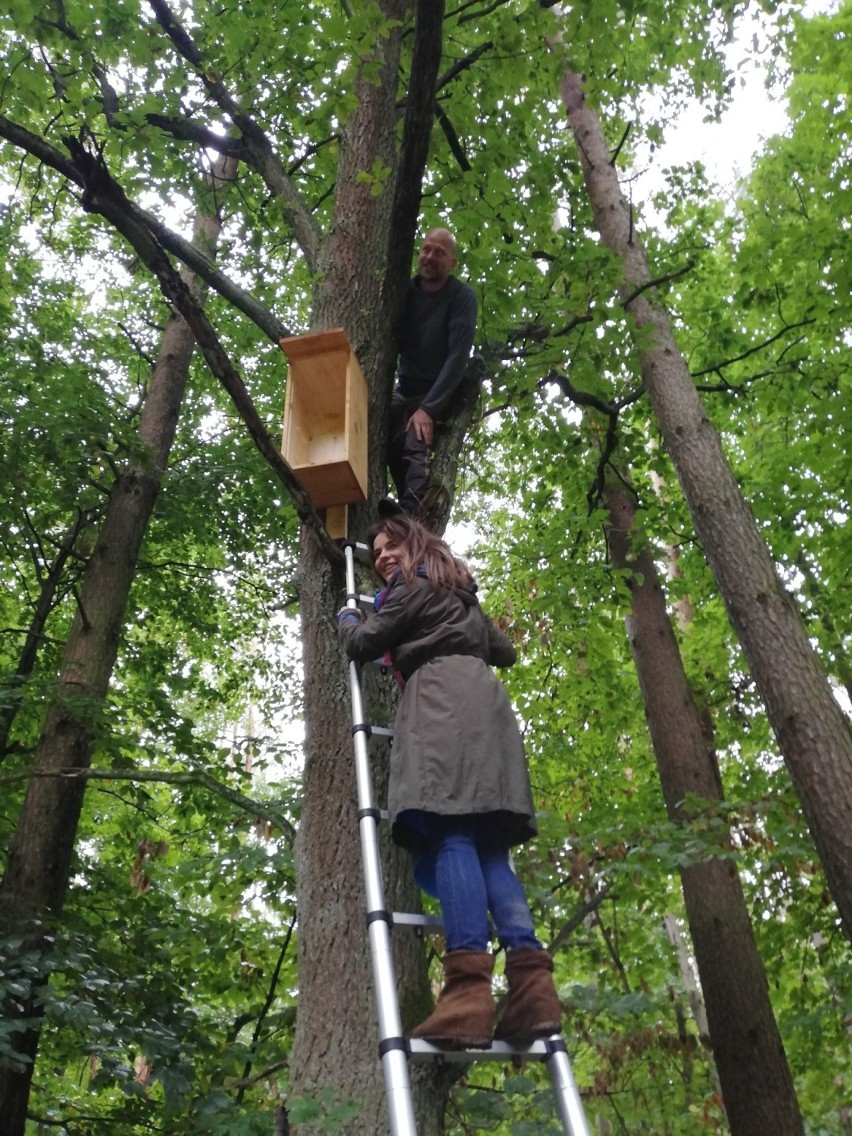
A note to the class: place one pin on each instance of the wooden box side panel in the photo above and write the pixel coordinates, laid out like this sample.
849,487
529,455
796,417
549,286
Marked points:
337,521
357,426
324,436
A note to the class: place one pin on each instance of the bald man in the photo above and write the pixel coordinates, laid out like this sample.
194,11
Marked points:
438,327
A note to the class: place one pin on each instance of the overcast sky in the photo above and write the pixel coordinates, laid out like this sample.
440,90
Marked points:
727,148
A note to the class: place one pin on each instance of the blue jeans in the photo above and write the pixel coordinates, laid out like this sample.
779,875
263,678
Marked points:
471,876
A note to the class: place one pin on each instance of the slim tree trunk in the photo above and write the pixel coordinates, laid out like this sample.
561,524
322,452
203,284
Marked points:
812,733
35,883
47,599
755,1078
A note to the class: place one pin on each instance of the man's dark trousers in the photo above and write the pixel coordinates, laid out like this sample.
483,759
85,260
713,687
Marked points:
408,457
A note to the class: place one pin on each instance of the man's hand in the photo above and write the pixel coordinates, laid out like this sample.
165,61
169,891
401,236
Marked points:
423,425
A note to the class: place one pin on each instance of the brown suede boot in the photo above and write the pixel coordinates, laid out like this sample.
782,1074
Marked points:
463,1017
532,1008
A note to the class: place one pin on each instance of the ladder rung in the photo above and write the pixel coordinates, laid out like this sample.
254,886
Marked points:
499,1051
379,920
362,553
411,919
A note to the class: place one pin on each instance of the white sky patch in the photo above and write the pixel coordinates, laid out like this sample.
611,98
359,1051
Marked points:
728,148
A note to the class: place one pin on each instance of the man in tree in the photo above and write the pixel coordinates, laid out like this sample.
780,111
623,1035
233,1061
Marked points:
438,326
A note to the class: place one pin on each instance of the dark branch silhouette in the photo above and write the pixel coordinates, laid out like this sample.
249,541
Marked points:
190,777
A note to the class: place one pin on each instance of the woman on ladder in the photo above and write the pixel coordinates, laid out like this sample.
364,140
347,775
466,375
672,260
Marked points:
459,794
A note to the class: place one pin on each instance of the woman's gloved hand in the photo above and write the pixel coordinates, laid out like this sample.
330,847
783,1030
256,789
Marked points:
350,615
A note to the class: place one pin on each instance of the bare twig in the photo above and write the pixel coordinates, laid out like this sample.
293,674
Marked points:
267,1006
582,913
618,148
583,398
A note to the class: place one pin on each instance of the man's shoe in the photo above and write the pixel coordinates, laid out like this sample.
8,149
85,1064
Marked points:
389,508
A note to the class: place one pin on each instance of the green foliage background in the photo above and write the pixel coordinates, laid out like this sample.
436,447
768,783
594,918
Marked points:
173,985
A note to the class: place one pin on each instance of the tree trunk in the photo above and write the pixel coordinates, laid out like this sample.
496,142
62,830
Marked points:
67,547
335,1052
812,733
755,1078
35,883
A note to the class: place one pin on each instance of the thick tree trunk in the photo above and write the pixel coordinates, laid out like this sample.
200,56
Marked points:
336,1045
35,883
755,1078
813,735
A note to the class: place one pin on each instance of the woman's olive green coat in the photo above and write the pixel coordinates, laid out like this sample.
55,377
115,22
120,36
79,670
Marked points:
457,749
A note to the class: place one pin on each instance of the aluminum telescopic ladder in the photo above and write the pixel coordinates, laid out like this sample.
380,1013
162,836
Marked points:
394,1049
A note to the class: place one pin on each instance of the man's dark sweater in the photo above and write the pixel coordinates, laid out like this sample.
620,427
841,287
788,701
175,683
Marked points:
437,335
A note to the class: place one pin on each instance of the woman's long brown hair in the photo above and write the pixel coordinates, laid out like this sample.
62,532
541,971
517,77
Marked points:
414,546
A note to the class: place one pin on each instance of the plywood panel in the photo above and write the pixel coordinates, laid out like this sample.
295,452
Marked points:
325,418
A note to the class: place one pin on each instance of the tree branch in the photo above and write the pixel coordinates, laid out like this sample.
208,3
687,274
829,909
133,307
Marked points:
452,138
583,398
414,149
103,195
579,398
49,592
736,388
242,300
480,12
463,64
188,131
618,148
258,151
184,250
717,367
195,777
582,913
690,264
587,317
246,1081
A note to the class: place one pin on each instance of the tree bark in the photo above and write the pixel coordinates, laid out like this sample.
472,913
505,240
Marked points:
50,587
812,733
746,1043
33,889
336,1044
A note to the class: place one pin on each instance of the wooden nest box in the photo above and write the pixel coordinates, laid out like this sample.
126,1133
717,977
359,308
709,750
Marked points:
325,422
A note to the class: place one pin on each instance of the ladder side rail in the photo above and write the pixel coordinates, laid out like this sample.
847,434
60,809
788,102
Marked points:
569,1103
391,1042
393,1048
